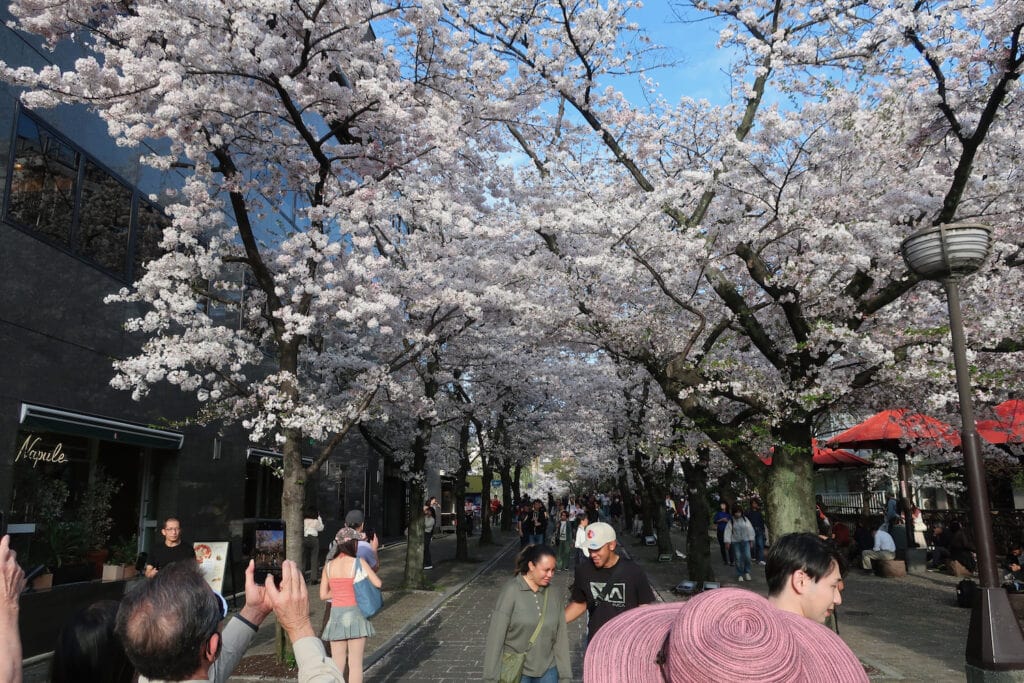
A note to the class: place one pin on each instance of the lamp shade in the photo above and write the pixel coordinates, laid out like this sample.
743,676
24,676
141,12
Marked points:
945,251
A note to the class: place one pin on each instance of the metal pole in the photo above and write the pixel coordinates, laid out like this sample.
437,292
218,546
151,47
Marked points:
994,640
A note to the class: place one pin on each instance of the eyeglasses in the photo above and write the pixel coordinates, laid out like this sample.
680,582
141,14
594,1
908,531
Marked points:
223,604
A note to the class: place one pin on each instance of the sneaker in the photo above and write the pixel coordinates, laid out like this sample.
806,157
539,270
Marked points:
747,577
429,566
761,562
740,579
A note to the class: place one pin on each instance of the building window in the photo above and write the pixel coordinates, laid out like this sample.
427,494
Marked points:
43,183
263,489
105,219
59,193
149,230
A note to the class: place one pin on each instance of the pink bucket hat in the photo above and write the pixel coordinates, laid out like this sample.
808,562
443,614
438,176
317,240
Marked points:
727,634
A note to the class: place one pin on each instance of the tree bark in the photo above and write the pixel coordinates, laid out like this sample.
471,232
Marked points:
626,494
505,468
461,540
789,493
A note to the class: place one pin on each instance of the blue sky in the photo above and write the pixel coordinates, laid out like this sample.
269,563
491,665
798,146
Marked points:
699,71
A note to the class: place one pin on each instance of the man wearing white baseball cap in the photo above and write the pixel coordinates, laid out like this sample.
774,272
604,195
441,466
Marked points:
608,585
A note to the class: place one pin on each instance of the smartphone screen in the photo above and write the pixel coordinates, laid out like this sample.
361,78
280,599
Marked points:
268,551
3,524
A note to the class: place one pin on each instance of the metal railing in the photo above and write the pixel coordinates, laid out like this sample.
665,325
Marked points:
871,502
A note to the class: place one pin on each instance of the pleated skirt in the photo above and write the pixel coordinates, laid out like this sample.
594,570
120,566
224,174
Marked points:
347,623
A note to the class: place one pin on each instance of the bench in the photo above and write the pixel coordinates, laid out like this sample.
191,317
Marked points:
957,569
889,569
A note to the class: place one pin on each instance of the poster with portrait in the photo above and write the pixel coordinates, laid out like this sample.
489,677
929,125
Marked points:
212,557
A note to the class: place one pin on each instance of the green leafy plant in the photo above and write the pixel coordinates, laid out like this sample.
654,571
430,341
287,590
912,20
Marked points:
94,510
125,550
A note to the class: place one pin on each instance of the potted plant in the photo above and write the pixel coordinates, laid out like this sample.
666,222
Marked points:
122,559
94,514
53,531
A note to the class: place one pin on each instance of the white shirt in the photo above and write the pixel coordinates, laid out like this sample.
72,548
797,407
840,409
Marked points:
312,527
883,541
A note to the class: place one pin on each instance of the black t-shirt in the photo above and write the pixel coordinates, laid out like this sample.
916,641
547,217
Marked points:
161,555
609,592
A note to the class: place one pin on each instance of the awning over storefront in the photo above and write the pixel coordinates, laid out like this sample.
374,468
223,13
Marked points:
260,453
52,419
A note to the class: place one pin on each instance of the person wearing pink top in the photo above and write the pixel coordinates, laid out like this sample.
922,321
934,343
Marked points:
347,628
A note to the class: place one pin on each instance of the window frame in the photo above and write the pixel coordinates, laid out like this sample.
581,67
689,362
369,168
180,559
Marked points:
139,199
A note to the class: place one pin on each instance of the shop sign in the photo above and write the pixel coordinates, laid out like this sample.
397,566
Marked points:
29,451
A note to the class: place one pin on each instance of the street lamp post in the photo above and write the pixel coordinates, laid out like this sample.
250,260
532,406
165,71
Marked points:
994,642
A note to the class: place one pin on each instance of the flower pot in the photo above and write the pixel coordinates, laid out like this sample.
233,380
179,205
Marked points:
113,572
130,572
42,581
97,558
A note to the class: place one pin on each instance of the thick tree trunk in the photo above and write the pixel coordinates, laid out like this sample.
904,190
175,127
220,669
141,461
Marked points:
516,481
698,551
461,540
507,516
626,494
414,578
789,493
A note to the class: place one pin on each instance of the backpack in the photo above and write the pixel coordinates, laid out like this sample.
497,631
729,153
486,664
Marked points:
966,591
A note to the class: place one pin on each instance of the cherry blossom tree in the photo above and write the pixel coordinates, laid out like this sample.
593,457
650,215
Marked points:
332,202
746,255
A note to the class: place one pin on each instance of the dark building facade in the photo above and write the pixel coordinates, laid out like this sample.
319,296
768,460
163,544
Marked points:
83,467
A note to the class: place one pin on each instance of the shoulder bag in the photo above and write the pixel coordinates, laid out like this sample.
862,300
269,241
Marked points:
368,596
512,663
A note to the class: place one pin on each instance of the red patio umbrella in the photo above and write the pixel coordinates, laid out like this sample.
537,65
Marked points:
896,431
1000,432
890,430
1011,411
827,457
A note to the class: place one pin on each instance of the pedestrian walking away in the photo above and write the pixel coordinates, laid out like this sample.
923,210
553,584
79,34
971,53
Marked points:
720,521
347,629
312,525
756,518
527,629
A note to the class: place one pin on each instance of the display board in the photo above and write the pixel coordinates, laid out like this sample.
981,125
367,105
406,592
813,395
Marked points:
212,557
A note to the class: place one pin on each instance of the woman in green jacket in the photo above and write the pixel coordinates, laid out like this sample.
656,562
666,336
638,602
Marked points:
524,603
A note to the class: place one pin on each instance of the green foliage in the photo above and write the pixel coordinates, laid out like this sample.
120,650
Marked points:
125,550
94,510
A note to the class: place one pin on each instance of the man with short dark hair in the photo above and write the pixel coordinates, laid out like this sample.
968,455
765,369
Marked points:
171,550
170,626
804,575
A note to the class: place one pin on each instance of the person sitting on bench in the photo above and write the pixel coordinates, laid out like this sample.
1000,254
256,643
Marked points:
884,549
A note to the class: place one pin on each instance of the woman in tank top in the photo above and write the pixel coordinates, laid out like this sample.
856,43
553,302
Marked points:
347,629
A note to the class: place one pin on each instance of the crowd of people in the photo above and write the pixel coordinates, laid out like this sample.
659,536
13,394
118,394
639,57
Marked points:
174,627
